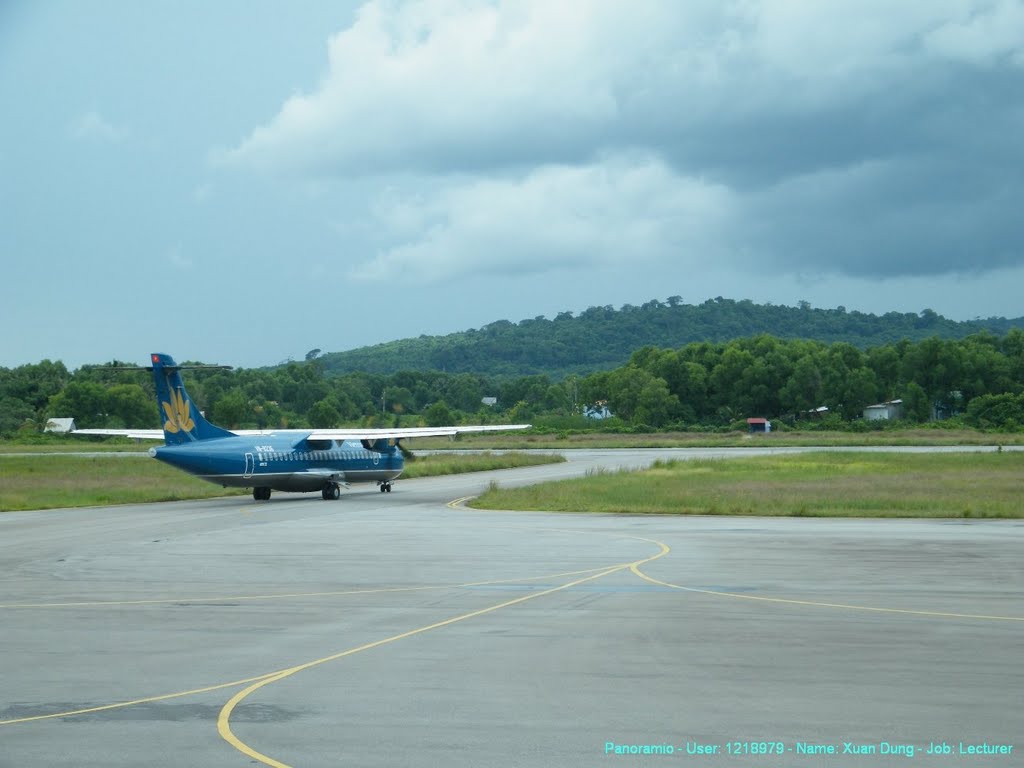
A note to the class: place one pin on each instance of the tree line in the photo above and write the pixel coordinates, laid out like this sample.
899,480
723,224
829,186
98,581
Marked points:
978,379
600,338
294,395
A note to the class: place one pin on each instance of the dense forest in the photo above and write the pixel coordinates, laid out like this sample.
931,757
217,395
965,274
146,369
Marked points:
977,381
601,338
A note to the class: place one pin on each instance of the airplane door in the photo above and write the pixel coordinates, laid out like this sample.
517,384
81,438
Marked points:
249,464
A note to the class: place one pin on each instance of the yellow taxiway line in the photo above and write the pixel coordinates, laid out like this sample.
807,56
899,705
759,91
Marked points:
819,604
224,718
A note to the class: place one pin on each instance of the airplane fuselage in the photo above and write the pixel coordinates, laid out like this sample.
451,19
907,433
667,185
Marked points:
283,462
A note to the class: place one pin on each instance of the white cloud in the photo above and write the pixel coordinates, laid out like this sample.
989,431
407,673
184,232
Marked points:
179,260
982,35
443,84
432,75
202,193
631,210
92,126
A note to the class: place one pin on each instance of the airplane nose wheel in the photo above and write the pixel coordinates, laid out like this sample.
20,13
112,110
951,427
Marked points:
332,492
385,487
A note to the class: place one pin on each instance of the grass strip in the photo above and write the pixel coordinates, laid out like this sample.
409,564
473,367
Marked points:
813,439
81,445
967,485
48,482
58,481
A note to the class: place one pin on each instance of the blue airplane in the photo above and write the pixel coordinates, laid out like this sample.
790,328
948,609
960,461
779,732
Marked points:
272,460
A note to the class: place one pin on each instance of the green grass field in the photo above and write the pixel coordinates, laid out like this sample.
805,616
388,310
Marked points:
978,485
55,481
894,437
82,445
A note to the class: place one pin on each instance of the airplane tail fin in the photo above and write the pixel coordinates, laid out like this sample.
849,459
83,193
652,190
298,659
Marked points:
183,423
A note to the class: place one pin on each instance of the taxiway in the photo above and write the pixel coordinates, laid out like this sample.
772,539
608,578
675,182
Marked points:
405,629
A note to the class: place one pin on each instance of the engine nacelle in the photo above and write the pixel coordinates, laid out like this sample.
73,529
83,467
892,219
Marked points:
380,446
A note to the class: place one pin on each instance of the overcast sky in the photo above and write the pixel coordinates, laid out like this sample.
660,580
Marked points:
241,181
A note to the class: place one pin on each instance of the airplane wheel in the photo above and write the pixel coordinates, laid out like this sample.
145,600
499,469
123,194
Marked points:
261,494
382,487
388,487
335,492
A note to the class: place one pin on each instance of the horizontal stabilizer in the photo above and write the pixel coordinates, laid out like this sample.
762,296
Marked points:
135,434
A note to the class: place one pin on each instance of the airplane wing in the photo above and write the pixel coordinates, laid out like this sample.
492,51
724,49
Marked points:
137,434
158,434
356,433
322,434
407,432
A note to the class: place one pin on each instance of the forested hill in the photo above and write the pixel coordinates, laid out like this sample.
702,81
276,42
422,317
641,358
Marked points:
601,338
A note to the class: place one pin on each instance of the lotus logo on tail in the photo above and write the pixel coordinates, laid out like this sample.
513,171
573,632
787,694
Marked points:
179,417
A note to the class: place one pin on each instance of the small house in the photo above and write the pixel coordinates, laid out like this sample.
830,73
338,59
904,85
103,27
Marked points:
893,409
60,426
759,425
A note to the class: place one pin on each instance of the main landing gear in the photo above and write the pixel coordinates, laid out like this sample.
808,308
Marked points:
261,494
331,492
385,486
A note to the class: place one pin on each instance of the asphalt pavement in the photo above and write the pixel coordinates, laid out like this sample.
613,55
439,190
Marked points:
405,629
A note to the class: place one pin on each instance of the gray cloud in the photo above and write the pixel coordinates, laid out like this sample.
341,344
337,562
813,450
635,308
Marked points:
856,138
910,216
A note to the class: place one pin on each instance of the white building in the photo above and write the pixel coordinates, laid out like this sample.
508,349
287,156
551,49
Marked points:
884,411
